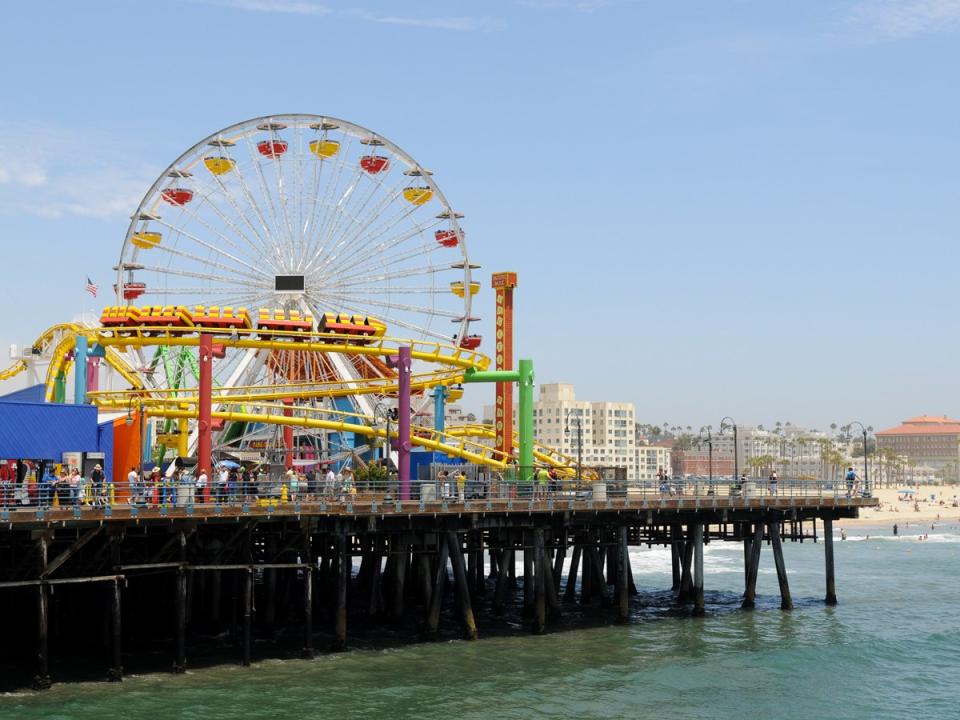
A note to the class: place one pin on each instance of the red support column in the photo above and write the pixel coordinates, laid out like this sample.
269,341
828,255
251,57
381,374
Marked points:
403,424
205,411
288,434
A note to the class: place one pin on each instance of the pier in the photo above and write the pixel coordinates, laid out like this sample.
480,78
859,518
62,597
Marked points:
122,577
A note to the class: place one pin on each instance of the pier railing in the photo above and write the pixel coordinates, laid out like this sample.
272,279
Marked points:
490,492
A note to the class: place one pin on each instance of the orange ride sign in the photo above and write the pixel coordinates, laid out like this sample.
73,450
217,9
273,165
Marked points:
504,283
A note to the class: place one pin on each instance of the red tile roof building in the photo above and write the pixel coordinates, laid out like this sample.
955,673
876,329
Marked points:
928,440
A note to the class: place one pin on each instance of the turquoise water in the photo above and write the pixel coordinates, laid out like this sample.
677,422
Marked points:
891,649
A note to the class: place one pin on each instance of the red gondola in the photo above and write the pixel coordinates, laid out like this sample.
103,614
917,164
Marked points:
374,164
132,290
272,148
446,238
177,196
471,342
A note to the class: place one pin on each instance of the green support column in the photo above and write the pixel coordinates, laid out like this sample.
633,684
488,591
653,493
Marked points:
524,378
60,388
526,420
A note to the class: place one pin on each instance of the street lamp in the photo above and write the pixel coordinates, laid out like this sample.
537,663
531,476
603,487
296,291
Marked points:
724,424
709,439
866,461
566,430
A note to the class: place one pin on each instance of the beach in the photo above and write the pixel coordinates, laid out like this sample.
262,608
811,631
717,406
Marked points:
913,511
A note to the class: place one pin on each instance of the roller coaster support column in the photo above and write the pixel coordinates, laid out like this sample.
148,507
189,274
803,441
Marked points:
403,424
80,370
288,434
205,408
439,408
524,378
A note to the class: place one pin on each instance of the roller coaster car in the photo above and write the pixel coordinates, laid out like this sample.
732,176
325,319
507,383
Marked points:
120,316
281,320
471,342
168,316
365,329
217,317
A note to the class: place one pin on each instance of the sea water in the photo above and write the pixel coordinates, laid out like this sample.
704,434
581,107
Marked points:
890,649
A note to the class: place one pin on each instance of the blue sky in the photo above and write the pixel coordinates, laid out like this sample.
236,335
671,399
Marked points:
741,207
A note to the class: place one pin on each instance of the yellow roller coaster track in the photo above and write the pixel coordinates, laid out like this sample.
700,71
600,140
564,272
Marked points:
453,362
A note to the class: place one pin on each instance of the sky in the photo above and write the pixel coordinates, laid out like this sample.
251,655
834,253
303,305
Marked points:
742,208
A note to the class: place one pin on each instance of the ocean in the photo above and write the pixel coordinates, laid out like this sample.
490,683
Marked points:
890,649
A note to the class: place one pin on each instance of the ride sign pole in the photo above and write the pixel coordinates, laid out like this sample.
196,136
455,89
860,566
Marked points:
439,405
205,409
403,422
503,283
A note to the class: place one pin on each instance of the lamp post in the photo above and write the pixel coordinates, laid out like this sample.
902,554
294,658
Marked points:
724,424
866,460
579,420
709,439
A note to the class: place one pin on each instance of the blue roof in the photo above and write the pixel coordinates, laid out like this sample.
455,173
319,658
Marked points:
35,394
44,431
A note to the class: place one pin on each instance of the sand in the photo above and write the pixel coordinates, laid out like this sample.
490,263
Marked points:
921,509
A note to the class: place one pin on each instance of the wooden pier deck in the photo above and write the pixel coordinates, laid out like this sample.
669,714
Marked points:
251,567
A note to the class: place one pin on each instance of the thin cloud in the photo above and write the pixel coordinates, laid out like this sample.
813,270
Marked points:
464,23
55,172
285,7
898,19
580,5
458,24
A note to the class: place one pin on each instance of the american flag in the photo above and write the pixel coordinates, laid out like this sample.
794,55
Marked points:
91,288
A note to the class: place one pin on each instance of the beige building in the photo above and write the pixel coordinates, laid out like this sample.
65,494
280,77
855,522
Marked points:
649,458
607,427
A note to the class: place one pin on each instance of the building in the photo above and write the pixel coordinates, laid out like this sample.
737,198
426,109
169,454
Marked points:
602,431
650,458
926,440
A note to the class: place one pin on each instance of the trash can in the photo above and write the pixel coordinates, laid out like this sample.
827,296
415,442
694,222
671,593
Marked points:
599,491
749,489
428,492
185,489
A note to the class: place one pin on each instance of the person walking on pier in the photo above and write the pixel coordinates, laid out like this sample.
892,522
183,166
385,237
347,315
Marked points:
461,478
773,483
852,480
543,480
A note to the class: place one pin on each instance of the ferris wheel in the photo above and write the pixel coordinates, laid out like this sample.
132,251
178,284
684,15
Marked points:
302,210
306,214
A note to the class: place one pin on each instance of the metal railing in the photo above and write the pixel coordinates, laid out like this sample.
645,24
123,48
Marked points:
341,489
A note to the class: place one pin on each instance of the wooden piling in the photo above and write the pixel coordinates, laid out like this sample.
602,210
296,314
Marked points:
463,587
676,543
180,663
308,559
750,592
436,596
540,588
786,602
247,616
698,605
528,579
571,589
115,673
686,572
622,586
41,680
401,558
558,566
831,598
503,579
344,571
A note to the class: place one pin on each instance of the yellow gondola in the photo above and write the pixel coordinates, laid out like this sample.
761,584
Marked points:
324,148
219,165
418,195
456,288
146,239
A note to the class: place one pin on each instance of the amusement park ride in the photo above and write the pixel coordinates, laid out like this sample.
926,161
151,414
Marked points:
260,290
